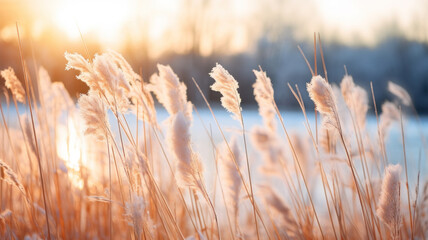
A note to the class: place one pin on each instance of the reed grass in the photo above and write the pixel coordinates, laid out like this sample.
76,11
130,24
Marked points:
82,171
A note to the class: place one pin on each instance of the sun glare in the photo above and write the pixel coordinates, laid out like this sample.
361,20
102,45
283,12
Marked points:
71,149
103,18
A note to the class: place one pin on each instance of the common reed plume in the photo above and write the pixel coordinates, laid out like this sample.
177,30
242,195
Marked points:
170,92
390,114
54,98
263,93
11,177
280,213
136,161
265,138
87,74
13,84
268,144
231,101
322,95
356,99
103,76
129,73
116,86
135,211
94,113
400,92
142,103
229,175
228,87
388,208
189,167
138,93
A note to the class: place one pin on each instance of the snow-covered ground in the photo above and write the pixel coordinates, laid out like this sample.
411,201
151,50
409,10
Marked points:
204,126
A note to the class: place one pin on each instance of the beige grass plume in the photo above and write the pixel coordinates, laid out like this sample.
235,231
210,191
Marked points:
139,94
54,97
390,114
87,73
229,174
103,76
188,165
302,147
135,213
261,138
400,92
322,95
136,161
280,212
268,144
263,93
78,62
142,101
356,99
116,86
388,208
117,58
11,177
228,87
47,91
108,70
94,113
13,84
170,92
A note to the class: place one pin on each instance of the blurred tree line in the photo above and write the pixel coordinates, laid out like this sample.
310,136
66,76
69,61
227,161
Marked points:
203,43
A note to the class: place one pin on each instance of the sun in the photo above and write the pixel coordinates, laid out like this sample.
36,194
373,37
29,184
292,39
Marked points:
104,19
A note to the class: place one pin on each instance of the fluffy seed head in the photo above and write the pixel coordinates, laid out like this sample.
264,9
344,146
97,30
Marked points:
261,138
87,73
104,76
187,162
170,92
77,61
279,210
388,208
13,84
117,58
94,113
11,177
141,99
400,92
390,114
113,82
134,212
229,174
228,87
355,98
263,93
322,95
271,150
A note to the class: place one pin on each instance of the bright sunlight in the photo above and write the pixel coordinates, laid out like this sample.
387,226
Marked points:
104,19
